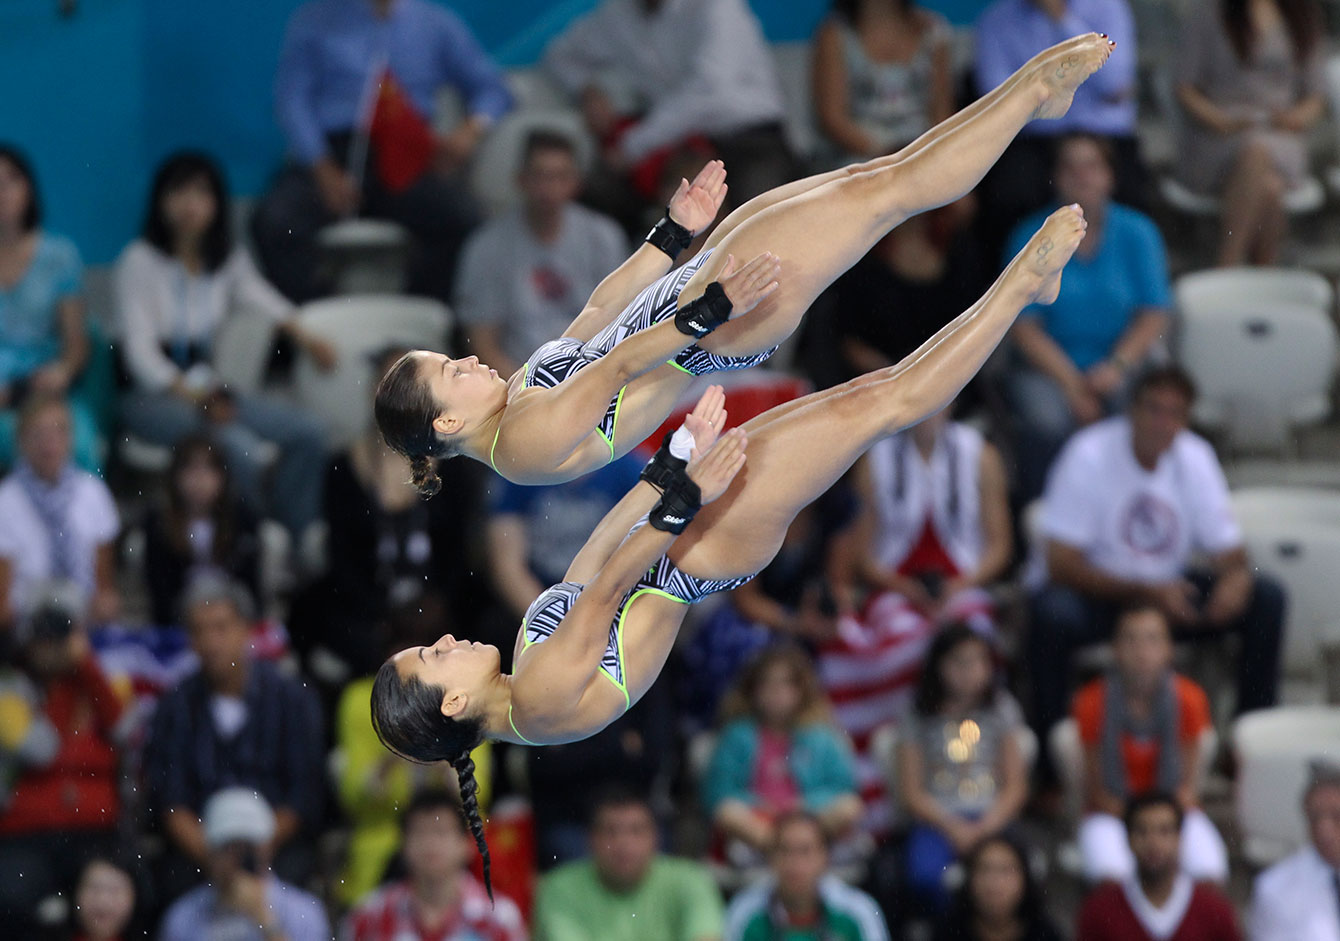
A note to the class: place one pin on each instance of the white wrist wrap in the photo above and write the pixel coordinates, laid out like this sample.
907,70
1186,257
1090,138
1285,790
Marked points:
682,443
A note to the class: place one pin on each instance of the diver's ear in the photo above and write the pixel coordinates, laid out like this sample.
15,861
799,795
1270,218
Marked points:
445,424
453,704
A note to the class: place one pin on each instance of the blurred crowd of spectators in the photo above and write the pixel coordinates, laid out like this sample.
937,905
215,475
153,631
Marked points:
857,734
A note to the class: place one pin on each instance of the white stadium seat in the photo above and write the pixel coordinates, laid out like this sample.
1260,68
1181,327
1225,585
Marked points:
1273,748
359,326
1294,535
368,256
1261,346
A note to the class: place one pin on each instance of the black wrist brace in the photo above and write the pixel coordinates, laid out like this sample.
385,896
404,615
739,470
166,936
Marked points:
664,469
699,318
677,506
669,236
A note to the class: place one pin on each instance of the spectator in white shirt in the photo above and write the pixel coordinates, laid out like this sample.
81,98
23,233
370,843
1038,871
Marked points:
56,521
175,287
525,276
1128,502
1299,897
697,68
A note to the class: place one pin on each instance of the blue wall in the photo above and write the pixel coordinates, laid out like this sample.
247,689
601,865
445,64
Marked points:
75,101
105,94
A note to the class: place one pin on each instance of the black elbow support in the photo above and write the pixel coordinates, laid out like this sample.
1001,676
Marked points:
699,318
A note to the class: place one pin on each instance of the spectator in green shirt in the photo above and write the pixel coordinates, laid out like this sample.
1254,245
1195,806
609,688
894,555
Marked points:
802,900
627,891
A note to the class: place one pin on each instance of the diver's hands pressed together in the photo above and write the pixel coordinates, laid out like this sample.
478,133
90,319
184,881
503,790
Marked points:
714,469
685,491
707,419
699,430
695,205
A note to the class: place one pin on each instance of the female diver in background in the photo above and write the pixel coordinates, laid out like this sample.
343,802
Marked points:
593,644
614,376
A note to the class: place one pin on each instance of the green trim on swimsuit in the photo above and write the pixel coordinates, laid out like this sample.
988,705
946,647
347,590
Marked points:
671,362
527,643
492,462
614,425
515,732
618,635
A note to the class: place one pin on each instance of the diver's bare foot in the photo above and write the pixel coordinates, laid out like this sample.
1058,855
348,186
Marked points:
1064,67
1047,252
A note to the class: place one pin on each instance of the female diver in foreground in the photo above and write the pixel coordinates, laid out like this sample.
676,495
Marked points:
593,644
593,394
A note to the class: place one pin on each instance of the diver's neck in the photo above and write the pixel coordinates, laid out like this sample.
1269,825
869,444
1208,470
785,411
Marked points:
498,711
479,445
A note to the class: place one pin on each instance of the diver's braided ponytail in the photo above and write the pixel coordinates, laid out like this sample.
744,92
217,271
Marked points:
465,774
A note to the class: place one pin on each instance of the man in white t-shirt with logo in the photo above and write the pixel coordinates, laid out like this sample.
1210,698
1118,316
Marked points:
1128,503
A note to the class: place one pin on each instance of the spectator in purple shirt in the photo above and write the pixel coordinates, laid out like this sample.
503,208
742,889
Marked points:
334,54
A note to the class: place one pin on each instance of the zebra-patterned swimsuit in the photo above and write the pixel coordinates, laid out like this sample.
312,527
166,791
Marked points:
558,359
547,612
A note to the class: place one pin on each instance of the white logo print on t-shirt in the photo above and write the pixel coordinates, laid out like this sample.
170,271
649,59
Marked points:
1149,525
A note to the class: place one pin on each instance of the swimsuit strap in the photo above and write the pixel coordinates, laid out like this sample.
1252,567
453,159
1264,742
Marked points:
515,732
494,447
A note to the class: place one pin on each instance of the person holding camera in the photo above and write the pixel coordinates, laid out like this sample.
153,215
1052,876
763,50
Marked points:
243,900
58,752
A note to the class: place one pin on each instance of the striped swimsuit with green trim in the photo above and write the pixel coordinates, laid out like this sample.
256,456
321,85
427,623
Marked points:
558,359
547,612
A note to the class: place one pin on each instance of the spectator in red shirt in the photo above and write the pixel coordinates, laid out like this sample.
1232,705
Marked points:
438,900
1141,726
1160,900
64,808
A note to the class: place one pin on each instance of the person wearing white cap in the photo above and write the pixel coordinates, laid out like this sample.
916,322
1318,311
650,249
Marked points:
243,899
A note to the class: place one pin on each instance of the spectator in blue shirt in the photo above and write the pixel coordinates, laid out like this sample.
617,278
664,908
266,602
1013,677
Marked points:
234,722
335,54
1079,354
1008,34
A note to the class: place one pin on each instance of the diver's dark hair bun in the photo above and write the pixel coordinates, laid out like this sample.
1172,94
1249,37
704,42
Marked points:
423,475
